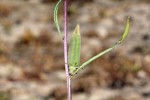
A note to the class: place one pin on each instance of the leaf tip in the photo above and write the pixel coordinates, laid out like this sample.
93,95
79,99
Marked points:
77,30
126,31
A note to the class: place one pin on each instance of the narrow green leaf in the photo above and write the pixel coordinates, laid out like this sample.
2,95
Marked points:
74,50
56,16
126,31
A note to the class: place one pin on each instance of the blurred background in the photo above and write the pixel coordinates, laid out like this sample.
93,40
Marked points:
31,51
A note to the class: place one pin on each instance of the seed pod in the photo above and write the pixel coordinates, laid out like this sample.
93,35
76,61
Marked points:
74,50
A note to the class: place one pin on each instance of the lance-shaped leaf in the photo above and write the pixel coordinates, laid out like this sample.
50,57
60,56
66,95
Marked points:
74,50
126,31
56,16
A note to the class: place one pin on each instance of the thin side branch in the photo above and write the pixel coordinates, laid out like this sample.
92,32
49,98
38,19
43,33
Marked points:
126,31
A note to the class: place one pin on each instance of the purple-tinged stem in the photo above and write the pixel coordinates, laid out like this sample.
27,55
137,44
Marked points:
65,50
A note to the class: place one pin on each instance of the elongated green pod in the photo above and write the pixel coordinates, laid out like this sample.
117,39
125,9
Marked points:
74,50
